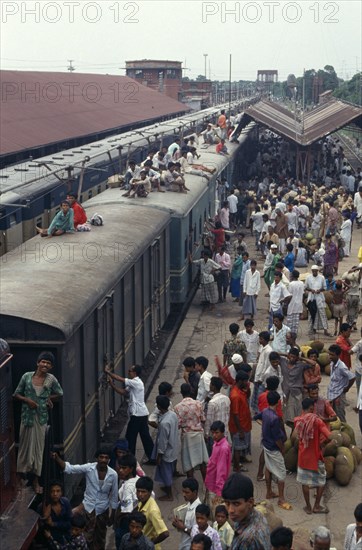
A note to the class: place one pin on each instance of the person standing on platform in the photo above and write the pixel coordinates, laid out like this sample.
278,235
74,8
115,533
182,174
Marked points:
201,364
344,342
251,528
224,262
190,419
312,432
340,382
233,345
166,446
240,420
251,289
315,284
101,494
295,306
218,408
190,489
138,422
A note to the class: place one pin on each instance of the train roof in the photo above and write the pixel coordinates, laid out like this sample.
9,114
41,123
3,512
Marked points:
177,204
58,282
24,174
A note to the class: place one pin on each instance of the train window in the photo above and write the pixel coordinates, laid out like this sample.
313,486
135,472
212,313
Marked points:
195,234
186,251
205,215
99,189
39,222
12,220
81,198
139,73
200,225
90,194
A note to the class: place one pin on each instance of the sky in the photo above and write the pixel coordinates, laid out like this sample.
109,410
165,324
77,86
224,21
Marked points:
100,36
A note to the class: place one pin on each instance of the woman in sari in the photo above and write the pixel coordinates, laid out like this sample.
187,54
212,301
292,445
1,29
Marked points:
36,390
235,275
270,271
330,257
63,222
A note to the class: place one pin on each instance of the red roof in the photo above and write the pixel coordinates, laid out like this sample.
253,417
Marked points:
39,108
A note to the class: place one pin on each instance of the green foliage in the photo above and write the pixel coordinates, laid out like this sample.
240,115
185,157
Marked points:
350,90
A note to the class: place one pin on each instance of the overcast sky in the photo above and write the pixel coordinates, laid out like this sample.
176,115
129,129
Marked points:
100,36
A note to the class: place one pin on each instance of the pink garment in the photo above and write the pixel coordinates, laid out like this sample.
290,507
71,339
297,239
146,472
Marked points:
218,467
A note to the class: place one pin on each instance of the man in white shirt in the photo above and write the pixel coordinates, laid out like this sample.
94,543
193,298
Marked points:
101,493
263,363
278,294
353,538
295,306
233,206
358,205
190,488
250,338
138,422
218,408
224,261
201,364
315,284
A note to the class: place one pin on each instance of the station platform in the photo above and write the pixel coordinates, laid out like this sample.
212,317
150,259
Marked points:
203,333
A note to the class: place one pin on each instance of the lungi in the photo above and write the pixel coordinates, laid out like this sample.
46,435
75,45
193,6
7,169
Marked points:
292,407
31,448
249,305
193,450
274,462
312,478
208,293
293,321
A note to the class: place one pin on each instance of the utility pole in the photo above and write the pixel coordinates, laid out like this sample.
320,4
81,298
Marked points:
70,66
205,56
229,86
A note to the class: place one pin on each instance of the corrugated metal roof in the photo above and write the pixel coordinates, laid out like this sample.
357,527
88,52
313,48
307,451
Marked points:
39,108
319,122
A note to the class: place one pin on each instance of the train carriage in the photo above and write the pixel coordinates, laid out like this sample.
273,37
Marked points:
93,299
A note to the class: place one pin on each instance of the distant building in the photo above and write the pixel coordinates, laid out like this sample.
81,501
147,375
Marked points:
267,77
162,76
265,80
197,94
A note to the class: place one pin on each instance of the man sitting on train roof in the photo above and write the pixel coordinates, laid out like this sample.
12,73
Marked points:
153,176
80,217
174,149
133,171
140,186
173,179
62,222
210,135
187,168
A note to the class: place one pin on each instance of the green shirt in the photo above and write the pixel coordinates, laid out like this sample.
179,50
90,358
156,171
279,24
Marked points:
25,388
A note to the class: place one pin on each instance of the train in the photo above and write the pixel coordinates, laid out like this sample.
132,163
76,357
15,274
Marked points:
30,192
99,298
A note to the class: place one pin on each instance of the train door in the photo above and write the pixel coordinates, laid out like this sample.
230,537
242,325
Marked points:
190,248
105,356
7,446
155,286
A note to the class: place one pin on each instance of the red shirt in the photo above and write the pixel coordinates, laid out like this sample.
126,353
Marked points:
239,406
219,237
80,216
312,375
309,456
345,346
263,404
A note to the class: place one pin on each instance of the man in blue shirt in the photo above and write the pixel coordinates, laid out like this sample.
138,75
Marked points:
101,493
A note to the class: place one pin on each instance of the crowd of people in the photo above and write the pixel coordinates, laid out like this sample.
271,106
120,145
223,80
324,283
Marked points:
262,376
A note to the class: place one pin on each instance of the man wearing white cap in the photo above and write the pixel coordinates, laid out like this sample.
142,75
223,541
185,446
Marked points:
315,284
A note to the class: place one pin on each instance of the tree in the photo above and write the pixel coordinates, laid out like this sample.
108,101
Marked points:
351,90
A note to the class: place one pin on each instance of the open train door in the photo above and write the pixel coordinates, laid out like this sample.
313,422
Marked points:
7,436
105,356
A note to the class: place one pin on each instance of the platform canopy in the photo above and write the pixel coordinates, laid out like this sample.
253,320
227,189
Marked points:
315,124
